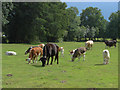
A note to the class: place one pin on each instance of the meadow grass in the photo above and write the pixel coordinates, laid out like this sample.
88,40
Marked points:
90,73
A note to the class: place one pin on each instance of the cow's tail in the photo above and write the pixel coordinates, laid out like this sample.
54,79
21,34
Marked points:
45,51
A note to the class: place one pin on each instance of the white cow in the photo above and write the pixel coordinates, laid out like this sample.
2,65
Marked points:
11,53
89,44
106,56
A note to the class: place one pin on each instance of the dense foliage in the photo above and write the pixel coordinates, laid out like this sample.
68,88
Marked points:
28,22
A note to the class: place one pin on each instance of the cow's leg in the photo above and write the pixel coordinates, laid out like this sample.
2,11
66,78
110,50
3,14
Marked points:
83,57
73,58
107,61
79,57
33,60
29,62
36,58
51,60
104,61
48,60
63,54
56,57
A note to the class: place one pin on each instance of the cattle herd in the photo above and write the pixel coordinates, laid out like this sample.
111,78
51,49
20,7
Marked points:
51,50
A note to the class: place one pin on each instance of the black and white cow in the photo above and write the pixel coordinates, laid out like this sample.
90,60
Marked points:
110,43
79,52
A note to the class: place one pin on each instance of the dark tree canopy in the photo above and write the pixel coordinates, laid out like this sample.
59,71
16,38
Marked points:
33,22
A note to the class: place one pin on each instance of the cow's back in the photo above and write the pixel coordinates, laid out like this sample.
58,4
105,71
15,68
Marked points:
50,50
79,51
110,43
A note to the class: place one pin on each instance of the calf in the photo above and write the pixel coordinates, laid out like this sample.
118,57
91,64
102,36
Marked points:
106,56
34,53
61,49
110,43
89,44
79,52
49,50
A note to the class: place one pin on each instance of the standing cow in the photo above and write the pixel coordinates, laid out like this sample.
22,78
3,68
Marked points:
28,50
110,43
106,56
49,50
34,53
89,44
61,49
79,52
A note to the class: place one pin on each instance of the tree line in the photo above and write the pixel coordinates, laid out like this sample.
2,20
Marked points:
30,22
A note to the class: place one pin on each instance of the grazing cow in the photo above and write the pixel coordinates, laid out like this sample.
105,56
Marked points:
89,44
34,53
106,56
41,45
110,43
79,52
28,50
49,50
61,49
10,53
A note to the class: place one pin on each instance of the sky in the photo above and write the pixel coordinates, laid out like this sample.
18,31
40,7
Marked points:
106,7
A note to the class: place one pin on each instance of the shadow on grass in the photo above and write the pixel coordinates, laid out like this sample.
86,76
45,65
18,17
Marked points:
99,64
37,65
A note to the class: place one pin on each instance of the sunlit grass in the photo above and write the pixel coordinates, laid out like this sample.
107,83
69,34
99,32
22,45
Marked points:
78,74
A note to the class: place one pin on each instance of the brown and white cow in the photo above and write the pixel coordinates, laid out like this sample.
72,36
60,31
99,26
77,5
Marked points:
34,53
79,52
41,45
61,49
49,50
28,50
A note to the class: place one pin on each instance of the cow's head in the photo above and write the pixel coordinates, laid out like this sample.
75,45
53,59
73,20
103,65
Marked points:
29,59
71,52
43,59
26,52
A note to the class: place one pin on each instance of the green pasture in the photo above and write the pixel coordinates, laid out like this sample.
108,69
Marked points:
90,73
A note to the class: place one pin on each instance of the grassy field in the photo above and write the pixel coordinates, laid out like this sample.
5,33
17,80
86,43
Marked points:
90,73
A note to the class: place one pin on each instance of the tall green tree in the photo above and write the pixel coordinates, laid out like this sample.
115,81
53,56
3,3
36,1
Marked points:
80,32
119,24
31,22
112,29
6,8
73,23
92,17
